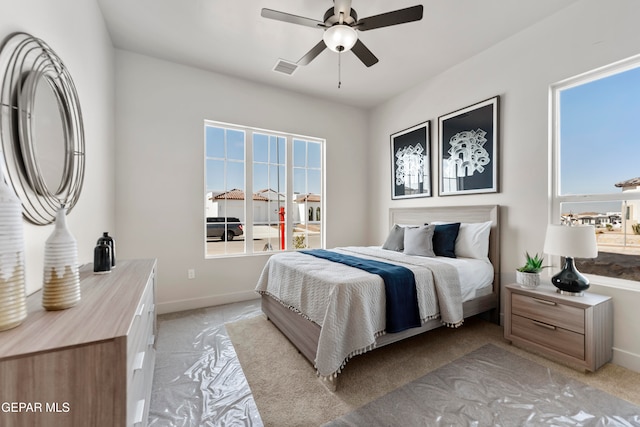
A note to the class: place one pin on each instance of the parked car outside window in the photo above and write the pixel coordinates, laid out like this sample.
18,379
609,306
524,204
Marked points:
223,228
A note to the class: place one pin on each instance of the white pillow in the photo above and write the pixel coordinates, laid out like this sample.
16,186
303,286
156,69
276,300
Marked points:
472,240
419,240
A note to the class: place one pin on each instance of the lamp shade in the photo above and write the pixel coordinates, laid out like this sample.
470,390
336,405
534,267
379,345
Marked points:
577,241
340,37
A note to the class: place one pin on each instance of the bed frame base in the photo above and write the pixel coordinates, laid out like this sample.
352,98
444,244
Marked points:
304,334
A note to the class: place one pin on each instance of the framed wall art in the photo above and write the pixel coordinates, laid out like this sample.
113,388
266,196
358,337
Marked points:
411,162
468,149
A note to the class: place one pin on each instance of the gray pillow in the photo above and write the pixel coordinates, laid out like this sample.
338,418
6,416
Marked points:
395,239
419,241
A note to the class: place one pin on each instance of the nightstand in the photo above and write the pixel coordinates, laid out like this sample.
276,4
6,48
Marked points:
575,330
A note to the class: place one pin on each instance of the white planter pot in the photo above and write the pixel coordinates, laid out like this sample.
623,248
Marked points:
528,280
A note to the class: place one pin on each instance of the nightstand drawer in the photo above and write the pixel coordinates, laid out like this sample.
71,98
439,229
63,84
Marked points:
550,312
550,336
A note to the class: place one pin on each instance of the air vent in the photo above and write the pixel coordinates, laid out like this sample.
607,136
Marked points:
285,67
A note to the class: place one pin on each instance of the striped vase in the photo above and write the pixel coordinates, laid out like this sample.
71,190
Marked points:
61,287
13,300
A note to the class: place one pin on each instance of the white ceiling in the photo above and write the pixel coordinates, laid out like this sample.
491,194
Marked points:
230,37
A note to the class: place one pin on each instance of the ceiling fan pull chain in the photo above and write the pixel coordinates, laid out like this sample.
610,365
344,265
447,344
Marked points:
339,70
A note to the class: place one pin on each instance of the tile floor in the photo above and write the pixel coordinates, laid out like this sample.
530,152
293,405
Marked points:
198,380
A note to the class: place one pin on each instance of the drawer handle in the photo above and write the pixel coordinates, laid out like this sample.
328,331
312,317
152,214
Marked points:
139,414
544,325
543,301
140,310
138,363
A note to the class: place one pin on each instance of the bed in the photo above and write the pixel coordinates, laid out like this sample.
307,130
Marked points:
331,312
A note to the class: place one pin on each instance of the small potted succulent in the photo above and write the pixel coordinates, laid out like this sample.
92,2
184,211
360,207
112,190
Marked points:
528,276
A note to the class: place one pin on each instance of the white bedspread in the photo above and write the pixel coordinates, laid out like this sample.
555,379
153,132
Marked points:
349,303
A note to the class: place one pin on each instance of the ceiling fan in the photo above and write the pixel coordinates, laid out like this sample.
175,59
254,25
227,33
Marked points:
340,24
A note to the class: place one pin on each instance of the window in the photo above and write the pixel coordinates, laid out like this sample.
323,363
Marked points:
595,155
264,190
307,183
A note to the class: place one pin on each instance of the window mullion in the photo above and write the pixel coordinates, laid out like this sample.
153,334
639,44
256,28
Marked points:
248,191
288,162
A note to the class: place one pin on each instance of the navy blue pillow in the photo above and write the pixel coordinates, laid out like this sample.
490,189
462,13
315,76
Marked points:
444,239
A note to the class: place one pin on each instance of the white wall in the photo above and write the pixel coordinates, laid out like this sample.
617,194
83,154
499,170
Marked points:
584,36
76,31
160,112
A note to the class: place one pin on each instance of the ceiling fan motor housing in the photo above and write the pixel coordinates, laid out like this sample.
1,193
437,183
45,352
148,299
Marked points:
330,18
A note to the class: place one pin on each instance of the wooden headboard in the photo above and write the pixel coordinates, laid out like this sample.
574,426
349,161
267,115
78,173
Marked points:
481,213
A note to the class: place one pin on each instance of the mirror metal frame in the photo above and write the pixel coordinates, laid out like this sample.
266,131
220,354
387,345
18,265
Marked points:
27,62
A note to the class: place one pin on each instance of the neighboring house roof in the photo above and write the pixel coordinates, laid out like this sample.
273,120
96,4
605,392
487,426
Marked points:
237,194
590,214
633,182
268,191
307,198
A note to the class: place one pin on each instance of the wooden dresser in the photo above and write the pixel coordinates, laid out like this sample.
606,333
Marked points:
89,365
574,330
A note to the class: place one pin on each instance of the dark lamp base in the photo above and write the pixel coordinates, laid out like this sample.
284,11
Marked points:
569,281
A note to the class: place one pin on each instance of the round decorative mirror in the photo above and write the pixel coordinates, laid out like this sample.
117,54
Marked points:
41,128
44,145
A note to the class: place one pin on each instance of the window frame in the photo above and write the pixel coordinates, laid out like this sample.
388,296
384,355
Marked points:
556,199
248,189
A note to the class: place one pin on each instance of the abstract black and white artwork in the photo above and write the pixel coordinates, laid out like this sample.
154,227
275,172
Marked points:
411,162
468,149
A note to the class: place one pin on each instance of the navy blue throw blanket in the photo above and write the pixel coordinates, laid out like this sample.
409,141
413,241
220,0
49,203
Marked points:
399,284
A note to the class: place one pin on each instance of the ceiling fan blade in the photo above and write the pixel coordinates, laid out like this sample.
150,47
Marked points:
293,19
364,54
396,17
315,51
343,6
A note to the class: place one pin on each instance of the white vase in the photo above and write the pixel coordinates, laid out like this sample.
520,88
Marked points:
61,287
13,300
528,280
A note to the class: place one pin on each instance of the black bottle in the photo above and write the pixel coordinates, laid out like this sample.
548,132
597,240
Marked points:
112,244
102,258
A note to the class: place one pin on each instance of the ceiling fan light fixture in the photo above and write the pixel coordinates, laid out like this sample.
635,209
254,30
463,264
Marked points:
340,37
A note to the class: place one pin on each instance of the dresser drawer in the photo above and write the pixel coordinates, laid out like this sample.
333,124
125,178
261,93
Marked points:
139,332
549,312
141,357
550,336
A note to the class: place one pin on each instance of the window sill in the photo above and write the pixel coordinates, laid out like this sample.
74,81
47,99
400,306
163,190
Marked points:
612,282
607,282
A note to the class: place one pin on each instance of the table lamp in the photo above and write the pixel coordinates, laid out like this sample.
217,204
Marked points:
578,241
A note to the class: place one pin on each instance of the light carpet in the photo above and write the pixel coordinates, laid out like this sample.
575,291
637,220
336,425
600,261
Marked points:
288,393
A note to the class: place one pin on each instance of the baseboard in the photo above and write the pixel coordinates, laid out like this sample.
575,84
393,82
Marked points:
208,301
626,359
